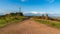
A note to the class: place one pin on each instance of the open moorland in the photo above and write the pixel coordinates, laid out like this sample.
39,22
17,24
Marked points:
16,23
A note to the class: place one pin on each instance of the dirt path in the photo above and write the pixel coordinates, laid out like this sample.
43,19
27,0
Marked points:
29,27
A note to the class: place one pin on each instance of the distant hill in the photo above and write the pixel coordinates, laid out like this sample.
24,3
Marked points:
51,15
31,14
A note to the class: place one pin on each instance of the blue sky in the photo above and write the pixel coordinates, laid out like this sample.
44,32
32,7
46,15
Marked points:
7,6
34,6
48,6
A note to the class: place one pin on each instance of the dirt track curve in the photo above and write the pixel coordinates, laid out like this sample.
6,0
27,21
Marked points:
29,27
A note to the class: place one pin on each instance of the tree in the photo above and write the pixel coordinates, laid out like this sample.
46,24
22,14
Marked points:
46,17
20,13
43,17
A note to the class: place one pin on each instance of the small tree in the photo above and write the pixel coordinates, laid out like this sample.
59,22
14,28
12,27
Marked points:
20,13
46,17
43,16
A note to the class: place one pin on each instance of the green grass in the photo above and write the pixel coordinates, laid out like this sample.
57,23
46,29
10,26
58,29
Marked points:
9,20
49,23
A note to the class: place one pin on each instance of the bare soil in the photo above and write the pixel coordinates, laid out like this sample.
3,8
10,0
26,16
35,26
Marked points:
29,27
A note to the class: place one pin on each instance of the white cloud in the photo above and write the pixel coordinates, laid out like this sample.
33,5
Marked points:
34,12
50,1
41,12
23,0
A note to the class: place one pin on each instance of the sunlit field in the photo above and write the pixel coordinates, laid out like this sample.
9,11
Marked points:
53,22
10,18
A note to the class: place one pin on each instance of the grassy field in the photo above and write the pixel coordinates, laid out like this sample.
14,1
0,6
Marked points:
11,18
49,23
8,20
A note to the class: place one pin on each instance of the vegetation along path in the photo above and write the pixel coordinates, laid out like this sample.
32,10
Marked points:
29,27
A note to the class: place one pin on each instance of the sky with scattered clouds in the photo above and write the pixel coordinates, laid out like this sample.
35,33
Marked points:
30,6
41,6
